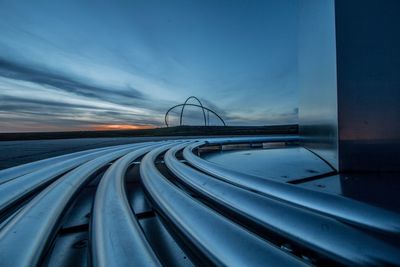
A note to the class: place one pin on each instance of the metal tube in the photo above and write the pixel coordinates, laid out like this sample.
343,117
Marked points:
118,240
328,237
345,209
219,241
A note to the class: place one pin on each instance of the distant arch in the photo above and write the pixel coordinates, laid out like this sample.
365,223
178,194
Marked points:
202,108
194,105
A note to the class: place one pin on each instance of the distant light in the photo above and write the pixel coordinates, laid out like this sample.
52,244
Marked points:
122,127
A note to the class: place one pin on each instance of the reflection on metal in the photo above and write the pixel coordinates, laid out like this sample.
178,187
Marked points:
349,83
269,213
200,105
318,120
164,204
211,229
351,211
285,164
122,227
25,237
138,198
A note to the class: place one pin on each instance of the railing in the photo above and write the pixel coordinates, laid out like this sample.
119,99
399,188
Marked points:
194,212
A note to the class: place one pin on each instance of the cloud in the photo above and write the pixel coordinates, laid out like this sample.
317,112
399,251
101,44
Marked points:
13,70
28,114
10,103
130,62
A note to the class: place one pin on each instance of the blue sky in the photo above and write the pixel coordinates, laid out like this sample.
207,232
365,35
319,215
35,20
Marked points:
81,65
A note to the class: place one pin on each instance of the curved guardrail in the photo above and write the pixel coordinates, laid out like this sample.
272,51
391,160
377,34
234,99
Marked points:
118,239
342,208
17,171
15,190
32,228
206,213
212,236
309,230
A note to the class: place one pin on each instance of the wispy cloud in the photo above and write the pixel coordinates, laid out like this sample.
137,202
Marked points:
12,70
127,62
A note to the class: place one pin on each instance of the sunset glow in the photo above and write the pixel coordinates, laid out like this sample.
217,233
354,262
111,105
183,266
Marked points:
122,64
123,127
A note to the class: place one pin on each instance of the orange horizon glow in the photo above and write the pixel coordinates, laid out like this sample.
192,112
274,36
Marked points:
123,127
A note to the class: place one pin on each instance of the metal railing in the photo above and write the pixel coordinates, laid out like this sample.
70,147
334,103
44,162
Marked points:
216,216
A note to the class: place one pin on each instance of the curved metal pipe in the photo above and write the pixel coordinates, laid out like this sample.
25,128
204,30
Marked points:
122,228
250,140
195,105
214,238
328,237
20,170
35,225
223,217
14,190
342,208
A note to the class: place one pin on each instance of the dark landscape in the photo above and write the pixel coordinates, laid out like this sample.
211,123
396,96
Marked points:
20,148
166,131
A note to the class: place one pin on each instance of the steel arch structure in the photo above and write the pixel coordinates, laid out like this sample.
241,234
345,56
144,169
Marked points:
202,108
200,105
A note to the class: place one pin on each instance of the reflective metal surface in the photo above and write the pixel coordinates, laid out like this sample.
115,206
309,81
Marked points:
23,239
13,190
332,240
377,189
349,84
345,209
368,65
214,238
137,205
118,239
11,173
318,120
281,164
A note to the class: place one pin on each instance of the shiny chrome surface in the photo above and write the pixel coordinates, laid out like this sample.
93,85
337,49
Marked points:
365,187
318,112
160,204
12,191
345,244
342,208
282,163
14,172
216,239
349,84
118,239
23,237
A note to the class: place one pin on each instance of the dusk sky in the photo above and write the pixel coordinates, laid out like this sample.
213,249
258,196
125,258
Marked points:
88,65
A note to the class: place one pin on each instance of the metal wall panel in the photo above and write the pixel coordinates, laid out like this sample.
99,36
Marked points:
317,78
368,69
349,75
